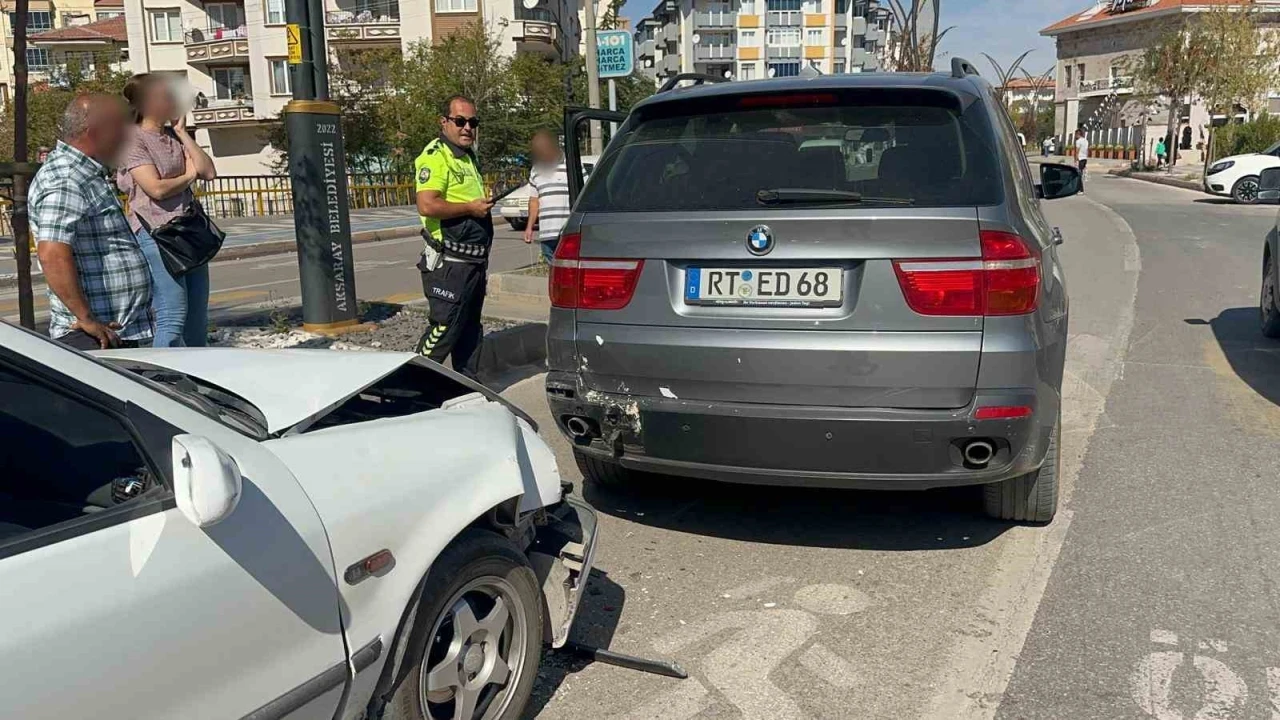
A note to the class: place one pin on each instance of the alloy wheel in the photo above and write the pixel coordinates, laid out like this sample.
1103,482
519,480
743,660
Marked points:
476,654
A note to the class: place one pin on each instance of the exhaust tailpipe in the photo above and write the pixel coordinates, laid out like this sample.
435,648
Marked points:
979,452
579,428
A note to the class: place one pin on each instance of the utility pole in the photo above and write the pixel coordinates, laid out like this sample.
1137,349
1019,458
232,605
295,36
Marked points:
21,170
593,76
317,167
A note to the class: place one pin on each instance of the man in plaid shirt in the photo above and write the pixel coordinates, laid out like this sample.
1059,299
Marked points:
99,284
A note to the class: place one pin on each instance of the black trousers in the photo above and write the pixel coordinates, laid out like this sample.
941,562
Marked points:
455,293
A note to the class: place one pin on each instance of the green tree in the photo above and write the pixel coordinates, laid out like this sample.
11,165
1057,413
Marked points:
1173,65
1237,78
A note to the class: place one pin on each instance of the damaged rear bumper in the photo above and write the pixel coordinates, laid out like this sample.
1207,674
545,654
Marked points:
562,554
868,448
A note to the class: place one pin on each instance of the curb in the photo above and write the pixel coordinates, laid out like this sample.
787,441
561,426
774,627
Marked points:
1159,179
515,286
274,247
519,346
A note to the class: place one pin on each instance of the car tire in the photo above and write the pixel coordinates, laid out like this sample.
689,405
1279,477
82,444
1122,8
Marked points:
472,573
1031,498
601,472
1245,191
518,225
1268,312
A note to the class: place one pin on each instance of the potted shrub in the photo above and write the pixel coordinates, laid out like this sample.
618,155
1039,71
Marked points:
1131,153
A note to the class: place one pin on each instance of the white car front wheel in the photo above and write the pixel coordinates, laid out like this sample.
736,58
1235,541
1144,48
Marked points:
1245,191
485,643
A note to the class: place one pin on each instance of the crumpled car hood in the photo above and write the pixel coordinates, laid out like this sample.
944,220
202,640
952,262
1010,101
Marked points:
287,386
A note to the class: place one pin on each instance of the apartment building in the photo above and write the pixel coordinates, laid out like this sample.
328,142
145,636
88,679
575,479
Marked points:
751,39
1021,91
1095,88
233,53
47,61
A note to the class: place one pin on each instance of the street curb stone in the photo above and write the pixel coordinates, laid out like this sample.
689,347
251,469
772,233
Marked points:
1159,179
508,284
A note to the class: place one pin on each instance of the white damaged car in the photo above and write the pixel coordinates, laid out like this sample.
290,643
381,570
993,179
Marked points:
218,533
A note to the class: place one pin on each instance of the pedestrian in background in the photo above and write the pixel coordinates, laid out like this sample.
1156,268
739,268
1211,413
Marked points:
457,230
160,165
549,204
1082,155
1161,151
98,282
1045,146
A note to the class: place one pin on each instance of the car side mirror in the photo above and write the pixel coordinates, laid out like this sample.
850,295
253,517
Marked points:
1269,186
1058,181
206,481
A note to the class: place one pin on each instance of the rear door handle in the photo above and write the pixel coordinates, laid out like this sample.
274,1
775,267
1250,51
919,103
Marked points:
1057,236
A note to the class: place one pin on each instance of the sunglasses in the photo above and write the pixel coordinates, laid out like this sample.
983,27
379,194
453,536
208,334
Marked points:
472,122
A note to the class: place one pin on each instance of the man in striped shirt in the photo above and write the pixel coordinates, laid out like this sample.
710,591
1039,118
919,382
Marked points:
549,204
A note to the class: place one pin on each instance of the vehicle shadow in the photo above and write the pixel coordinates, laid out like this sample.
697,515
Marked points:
595,625
941,519
1254,358
1215,201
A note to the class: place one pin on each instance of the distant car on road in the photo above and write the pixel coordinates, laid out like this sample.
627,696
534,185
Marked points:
734,300
273,534
514,208
1237,176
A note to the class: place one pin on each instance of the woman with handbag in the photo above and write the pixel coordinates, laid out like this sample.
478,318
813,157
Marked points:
160,164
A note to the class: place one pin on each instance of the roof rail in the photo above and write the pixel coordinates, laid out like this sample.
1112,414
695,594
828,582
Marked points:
676,80
961,68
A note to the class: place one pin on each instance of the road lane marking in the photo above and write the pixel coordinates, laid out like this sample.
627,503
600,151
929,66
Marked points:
1219,694
972,684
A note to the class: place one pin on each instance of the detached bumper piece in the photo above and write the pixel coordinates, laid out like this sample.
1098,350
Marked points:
561,554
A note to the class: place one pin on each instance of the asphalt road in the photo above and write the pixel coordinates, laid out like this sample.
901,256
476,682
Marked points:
385,271
1152,594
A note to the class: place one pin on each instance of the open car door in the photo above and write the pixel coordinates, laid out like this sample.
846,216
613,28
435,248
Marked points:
574,131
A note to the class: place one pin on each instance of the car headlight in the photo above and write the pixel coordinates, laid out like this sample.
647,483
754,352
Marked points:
1219,167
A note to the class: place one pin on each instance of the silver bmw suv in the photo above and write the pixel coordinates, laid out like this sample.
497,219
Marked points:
843,281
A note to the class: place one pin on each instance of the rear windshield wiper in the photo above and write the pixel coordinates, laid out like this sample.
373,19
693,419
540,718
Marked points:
808,196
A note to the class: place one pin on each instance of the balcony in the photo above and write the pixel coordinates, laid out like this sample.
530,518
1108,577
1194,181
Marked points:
363,27
842,21
214,44
714,52
645,49
783,52
225,113
1121,84
670,33
715,19
784,18
538,37
669,64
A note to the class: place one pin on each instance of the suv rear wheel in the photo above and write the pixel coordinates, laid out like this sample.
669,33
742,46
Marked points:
1032,497
601,472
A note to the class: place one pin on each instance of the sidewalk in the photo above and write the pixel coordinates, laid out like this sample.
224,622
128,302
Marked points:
1189,176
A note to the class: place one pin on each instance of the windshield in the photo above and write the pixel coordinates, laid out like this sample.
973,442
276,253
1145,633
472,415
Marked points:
919,149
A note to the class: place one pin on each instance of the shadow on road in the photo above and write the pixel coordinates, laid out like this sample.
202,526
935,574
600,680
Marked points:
1254,358
595,625
947,518
1215,201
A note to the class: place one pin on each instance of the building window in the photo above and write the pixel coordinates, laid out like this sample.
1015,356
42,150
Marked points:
747,7
837,67
223,15
782,5
231,83
37,59
275,12
108,14
812,7
749,38
37,21
1069,78
747,71
281,82
784,69
815,36
166,26
842,7
783,37
455,6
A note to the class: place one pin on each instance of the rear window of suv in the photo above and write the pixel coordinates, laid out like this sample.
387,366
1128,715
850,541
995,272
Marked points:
890,147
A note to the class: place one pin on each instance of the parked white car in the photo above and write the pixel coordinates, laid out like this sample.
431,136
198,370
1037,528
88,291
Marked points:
219,533
1237,176
514,208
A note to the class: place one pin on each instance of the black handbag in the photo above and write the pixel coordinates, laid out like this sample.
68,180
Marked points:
187,241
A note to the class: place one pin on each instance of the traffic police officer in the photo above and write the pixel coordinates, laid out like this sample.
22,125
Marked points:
458,233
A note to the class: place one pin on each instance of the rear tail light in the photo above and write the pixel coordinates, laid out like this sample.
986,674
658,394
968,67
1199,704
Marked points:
1002,412
1006,281
593,283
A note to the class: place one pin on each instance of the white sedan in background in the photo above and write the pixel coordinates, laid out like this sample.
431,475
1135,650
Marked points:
219,533
514,208
1237,176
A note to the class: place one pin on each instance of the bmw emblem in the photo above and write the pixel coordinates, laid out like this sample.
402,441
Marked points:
760,240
